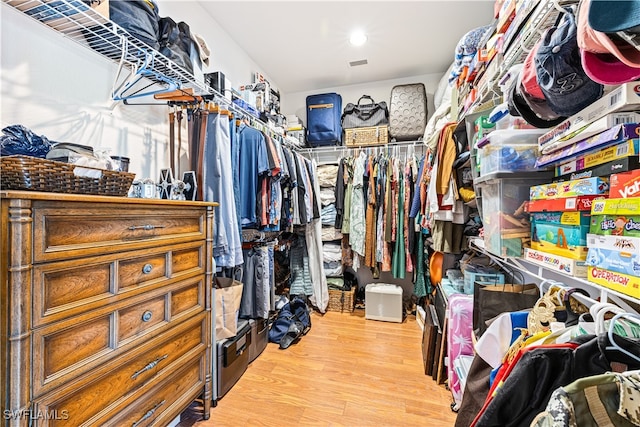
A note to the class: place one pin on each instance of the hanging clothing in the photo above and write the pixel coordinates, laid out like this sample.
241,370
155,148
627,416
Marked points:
399,262
339,193
370,218
218,187
320,295
301,283
253,164
255,303
357,214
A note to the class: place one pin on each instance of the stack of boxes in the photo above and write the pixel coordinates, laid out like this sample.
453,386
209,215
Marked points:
586,223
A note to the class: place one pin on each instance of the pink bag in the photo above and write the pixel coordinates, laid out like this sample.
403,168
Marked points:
459,329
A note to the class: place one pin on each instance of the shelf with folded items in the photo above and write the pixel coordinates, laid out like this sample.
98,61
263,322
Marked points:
539,273
75,20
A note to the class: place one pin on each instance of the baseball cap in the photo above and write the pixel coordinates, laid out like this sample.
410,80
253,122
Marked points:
604,60
563,81
529,77
536,112
612,16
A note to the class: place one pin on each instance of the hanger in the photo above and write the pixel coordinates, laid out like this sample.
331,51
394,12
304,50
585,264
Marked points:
128,88
614,346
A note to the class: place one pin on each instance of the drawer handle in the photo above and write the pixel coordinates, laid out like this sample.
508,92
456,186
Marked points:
146,316
148,415
147,268
149,365
146,227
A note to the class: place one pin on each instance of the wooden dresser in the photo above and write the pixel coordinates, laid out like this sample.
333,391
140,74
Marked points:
105,309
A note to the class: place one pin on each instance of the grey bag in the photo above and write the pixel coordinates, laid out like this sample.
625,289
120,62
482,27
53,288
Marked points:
408,112
365,115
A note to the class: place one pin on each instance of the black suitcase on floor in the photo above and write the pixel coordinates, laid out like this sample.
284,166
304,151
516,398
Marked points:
233,358
408,112
259,337
324,113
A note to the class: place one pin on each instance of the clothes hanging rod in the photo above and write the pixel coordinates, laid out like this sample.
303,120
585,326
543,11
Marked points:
334,148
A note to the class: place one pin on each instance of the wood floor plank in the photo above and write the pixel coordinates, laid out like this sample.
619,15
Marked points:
347,371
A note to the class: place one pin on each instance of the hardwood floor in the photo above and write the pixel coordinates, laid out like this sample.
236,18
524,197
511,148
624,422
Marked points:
345,371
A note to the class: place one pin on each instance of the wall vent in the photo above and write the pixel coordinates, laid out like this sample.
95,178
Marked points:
356,63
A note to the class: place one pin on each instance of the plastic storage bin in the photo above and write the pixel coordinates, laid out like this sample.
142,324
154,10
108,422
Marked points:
383,302
511,150
506,224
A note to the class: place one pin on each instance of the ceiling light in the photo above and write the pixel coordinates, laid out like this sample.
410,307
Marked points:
358,38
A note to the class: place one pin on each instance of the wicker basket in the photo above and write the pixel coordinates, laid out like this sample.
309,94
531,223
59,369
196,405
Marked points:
359,137
341,300
35,174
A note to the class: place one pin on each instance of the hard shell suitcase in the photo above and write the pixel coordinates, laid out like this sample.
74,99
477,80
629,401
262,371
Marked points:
324,112
233,358
459,329
408,112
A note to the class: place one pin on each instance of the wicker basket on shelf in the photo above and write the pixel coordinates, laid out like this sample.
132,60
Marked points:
35,174
341,301
365,136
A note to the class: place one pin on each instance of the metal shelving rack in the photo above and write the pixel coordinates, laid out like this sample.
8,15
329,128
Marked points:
78,22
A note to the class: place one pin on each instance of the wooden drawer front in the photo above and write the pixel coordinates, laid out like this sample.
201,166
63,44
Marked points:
85,400
135,321
66,288
66,349
63,233
160,406
132,272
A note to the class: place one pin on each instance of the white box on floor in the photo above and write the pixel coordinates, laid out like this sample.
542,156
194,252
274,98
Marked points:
383,302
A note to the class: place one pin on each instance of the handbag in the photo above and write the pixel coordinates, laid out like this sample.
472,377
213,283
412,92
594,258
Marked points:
365,115
490,300
228,299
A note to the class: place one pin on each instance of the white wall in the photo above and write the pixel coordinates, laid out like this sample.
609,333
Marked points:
294,103
60,89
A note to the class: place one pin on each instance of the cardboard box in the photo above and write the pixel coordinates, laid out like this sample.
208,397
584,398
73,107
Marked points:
567,204
615,135
623,283
615,225
619,262
625,185
616,206
570,267
625,97
594,128
578,187
561,233
614,243
624,164
600,156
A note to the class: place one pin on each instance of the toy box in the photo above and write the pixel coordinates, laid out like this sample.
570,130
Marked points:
615,135
623,164
560,233
600,156
630,206
625,97
616,217
619,262
625,185
511,150
594,128
578,187
566,204
570,267
623,283
630,245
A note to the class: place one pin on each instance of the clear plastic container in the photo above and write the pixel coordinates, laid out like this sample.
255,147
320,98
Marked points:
514,150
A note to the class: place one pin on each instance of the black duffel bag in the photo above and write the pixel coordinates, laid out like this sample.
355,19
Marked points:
175,42
138,17
365,115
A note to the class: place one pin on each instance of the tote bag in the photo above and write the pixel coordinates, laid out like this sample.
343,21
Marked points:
490,300
228,298
365,115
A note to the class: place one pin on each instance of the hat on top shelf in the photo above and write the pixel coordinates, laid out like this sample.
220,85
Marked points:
605,59
563,81
612,16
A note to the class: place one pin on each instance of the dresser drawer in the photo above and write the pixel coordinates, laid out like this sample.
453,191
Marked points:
71,230
66,349
160,406
66,288
118,383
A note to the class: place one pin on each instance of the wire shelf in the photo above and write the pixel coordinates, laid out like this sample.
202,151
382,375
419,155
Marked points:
82,24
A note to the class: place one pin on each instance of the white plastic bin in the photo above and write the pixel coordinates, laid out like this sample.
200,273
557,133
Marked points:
383,302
